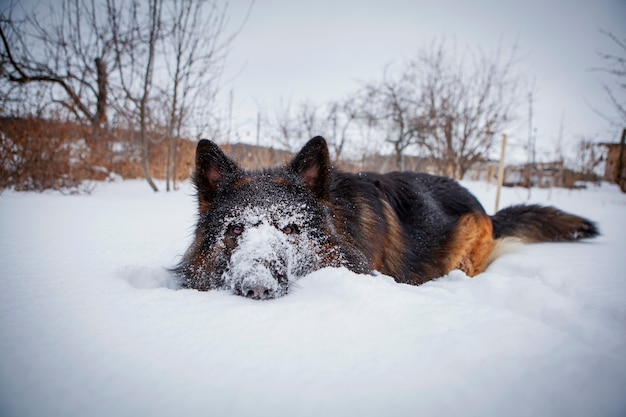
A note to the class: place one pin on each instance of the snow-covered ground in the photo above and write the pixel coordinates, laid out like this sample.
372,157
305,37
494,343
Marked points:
91,324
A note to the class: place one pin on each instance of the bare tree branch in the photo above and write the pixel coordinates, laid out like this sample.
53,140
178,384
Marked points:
614,64
62,50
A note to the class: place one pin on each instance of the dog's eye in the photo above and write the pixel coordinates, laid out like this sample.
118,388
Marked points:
289,229
236,230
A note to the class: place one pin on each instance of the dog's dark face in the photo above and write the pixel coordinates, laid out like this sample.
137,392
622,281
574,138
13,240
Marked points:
258,232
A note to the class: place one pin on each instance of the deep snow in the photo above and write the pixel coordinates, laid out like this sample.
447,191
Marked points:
92,325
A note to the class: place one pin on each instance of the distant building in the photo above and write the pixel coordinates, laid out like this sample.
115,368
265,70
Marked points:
615,170
538,174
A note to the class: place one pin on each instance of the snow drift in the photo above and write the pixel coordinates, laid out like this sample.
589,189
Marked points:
92,323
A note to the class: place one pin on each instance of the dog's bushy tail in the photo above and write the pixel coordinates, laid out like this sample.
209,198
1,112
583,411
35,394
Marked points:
534,223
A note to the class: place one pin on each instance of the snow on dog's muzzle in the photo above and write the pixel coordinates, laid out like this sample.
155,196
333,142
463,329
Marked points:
258,266
263,281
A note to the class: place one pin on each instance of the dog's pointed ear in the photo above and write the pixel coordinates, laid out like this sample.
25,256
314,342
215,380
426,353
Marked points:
312,165
212,165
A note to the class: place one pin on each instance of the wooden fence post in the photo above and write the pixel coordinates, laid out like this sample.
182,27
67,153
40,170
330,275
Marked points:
500,173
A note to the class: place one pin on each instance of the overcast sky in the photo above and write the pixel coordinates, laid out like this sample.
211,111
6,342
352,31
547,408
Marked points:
322,49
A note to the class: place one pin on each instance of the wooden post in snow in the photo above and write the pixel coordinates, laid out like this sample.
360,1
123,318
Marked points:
621,178
500,173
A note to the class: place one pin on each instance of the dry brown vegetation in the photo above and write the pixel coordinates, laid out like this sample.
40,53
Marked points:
37,155
40,154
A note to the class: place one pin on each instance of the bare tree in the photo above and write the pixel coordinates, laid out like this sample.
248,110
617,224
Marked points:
149,68
466,98
393,106
70,50
341,117
614,64
136,31
286,125
445,104
292,125
197,47
589,157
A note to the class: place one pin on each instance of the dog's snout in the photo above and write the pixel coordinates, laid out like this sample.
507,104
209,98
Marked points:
264,281
256,292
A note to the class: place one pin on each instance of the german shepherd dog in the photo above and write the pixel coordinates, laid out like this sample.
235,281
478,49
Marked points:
257,232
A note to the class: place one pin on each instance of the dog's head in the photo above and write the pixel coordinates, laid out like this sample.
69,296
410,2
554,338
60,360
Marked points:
258,231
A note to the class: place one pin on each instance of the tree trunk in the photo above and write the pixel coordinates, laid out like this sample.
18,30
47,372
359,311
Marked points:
174,165
99,117
145,164
398,159
168,162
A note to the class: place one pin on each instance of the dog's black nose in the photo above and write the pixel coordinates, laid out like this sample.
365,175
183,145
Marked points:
256,292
